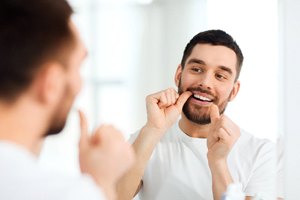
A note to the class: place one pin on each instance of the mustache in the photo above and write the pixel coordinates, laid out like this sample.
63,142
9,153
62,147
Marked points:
199,89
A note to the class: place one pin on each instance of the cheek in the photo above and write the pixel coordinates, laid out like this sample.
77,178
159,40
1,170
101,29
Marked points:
75,83
224,93
78,83
185,82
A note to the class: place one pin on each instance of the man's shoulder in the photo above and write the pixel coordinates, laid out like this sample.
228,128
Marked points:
254,144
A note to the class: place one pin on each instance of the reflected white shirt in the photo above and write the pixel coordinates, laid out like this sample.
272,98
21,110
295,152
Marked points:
22,178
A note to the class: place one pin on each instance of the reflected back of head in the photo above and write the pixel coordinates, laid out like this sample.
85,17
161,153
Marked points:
31,33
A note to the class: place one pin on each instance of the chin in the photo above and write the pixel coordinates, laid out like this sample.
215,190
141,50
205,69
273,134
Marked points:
201,120
55,128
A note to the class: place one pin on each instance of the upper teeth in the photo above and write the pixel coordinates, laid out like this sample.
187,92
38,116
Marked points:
201,97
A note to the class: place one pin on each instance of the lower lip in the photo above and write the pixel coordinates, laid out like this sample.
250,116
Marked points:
198,102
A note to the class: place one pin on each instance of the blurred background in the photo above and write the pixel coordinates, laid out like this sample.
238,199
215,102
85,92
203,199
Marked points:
135,47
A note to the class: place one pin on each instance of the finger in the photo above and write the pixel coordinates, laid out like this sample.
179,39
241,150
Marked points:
229,126
107,132
96,137
170,98
223,135
225,124
166,99
114,133
214,113
182,99
175,96
162,100
83,129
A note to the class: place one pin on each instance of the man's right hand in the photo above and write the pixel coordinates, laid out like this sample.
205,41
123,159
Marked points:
164,108
105,155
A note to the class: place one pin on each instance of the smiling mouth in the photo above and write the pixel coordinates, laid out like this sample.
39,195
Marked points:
202,98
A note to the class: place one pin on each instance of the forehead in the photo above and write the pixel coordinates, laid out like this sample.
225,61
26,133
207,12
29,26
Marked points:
214,55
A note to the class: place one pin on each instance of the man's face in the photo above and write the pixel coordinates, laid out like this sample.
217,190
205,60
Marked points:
209,73
71,87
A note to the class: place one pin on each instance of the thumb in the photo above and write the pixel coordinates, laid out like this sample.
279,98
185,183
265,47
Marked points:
182,99
214,113
83,129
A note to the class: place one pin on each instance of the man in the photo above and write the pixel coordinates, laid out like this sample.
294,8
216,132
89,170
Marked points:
40,57
204,152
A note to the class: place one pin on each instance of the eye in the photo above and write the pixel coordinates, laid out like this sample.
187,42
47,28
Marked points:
197,69
221,76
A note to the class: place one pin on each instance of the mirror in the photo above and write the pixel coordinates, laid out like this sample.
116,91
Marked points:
135,47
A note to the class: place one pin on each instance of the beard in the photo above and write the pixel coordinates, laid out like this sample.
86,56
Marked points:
197,113
60,114
58,123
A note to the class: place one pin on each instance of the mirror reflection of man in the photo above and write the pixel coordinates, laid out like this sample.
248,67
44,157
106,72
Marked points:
40,57
199,155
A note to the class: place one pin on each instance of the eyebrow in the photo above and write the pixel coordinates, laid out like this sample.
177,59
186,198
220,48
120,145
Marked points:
227,69
201,62
195,60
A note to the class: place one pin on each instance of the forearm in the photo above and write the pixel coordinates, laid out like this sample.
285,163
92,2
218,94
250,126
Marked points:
221,178
143,147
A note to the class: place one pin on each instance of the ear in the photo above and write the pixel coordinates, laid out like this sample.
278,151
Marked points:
178,75
235,90
50,83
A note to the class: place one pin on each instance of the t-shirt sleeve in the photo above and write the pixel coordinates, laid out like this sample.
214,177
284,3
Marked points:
262,182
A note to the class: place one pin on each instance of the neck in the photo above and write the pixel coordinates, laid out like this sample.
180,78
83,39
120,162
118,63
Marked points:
193,129
21,123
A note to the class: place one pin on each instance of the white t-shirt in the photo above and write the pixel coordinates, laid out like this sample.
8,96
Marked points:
22,178
178,168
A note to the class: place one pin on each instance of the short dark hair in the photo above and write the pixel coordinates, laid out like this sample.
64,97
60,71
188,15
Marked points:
214,37
31,33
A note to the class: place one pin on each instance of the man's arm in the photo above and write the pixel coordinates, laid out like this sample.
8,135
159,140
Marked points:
163,109
222,136
221,178
130,183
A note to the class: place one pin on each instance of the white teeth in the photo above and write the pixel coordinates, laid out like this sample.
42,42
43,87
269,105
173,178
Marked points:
202,97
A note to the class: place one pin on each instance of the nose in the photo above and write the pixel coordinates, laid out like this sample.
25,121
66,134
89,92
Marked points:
206,82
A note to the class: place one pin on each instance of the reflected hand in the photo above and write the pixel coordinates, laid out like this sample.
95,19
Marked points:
105,155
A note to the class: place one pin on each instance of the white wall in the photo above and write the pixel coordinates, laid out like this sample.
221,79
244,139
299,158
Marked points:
290,68
254,25
169,25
